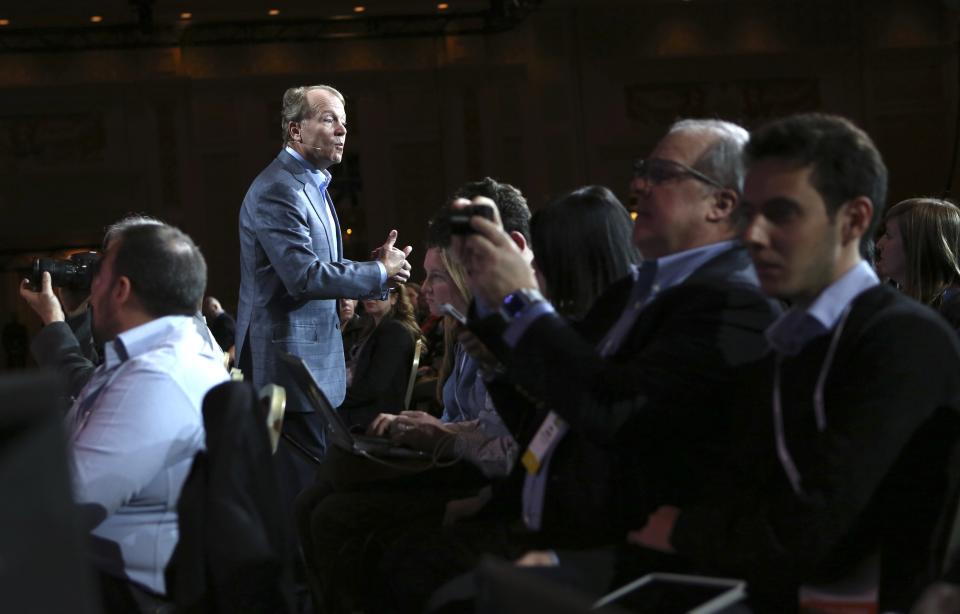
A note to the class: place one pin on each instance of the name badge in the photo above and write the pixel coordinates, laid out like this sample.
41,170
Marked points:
549,433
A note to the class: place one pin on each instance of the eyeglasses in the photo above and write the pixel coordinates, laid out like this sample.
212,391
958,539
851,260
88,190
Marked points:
659,170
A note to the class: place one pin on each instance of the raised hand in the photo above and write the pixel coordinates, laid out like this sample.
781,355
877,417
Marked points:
494,264
395,260
44,303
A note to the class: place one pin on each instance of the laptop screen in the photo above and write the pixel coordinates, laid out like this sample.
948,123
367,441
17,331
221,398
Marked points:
334,424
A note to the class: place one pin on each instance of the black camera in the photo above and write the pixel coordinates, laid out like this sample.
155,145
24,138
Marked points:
74,274
460,218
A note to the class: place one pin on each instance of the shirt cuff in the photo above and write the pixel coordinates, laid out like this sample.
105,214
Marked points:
519,325
482,309
383,272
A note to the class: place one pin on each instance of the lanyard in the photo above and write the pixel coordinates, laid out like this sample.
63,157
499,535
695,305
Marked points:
789,466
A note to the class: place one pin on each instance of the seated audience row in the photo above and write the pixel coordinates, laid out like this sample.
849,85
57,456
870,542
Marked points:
800,461
722,387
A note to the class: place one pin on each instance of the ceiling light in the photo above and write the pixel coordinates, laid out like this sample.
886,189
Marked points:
443,6
273,12
359,9
4,22
96,19
185,15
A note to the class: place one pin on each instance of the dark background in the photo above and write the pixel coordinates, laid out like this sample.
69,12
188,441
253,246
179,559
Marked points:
175,118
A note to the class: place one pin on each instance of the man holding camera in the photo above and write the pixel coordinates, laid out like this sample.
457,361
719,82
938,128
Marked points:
136,425
628,405
61,300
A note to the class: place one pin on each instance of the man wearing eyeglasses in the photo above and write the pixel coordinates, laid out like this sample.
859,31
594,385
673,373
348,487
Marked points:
629,408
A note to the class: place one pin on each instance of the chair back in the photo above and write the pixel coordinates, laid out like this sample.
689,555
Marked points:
411,383
232,555
273,402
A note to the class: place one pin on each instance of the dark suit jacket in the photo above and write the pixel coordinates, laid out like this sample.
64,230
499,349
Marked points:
224,329
68,347
232,553
380,375
875,476
647,423
290,283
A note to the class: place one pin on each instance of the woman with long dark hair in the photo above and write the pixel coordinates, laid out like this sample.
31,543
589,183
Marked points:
581,243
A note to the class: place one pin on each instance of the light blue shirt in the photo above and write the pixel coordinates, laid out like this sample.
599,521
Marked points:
482,437
134,430
798,326
321,179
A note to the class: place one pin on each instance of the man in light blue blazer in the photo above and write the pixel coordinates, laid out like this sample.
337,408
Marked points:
292,269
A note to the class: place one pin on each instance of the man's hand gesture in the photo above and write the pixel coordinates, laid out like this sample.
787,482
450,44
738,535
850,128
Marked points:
395,260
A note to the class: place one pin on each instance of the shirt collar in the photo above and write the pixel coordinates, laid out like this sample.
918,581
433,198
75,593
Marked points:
320,176
141,339
791,331
674,269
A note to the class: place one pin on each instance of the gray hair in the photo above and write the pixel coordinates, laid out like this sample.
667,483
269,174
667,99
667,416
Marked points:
295,107
723,158
120,226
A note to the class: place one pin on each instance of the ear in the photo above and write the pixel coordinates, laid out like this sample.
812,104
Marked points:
293,131
724,202
122,290
855,216
519,240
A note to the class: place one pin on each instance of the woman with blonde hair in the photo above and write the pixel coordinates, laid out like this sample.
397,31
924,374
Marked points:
919,250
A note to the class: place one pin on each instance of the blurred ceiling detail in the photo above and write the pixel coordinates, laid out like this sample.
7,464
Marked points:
46,26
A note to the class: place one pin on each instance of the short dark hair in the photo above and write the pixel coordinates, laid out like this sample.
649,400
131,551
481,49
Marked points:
165,267
513,208
438,228
582,243
131,219
846,164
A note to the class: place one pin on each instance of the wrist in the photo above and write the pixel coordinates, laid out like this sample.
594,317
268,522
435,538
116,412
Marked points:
515,303
53,316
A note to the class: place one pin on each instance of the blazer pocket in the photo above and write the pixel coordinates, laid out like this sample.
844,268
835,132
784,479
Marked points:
299,333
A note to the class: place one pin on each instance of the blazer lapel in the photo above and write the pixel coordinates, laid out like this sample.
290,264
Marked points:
316,200
319,205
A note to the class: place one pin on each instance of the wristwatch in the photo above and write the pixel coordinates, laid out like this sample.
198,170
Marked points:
515,302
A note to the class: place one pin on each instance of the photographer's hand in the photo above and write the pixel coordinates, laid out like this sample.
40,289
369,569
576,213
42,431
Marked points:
495,267
44,303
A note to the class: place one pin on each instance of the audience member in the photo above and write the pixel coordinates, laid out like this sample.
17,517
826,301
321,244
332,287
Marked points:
351,329
851,420
66,341
378,379
366,520
221,324
582,245
413,294
137,424
919,250
624,411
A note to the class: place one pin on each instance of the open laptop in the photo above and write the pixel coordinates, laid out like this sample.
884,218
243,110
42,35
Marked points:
337,429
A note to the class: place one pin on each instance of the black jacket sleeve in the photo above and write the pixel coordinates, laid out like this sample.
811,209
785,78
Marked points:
381,375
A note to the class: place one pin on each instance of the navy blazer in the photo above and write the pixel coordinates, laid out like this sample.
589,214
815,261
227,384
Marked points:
290,282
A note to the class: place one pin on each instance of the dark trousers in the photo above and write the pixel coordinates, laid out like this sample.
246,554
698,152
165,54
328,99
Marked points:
358,508
124,597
